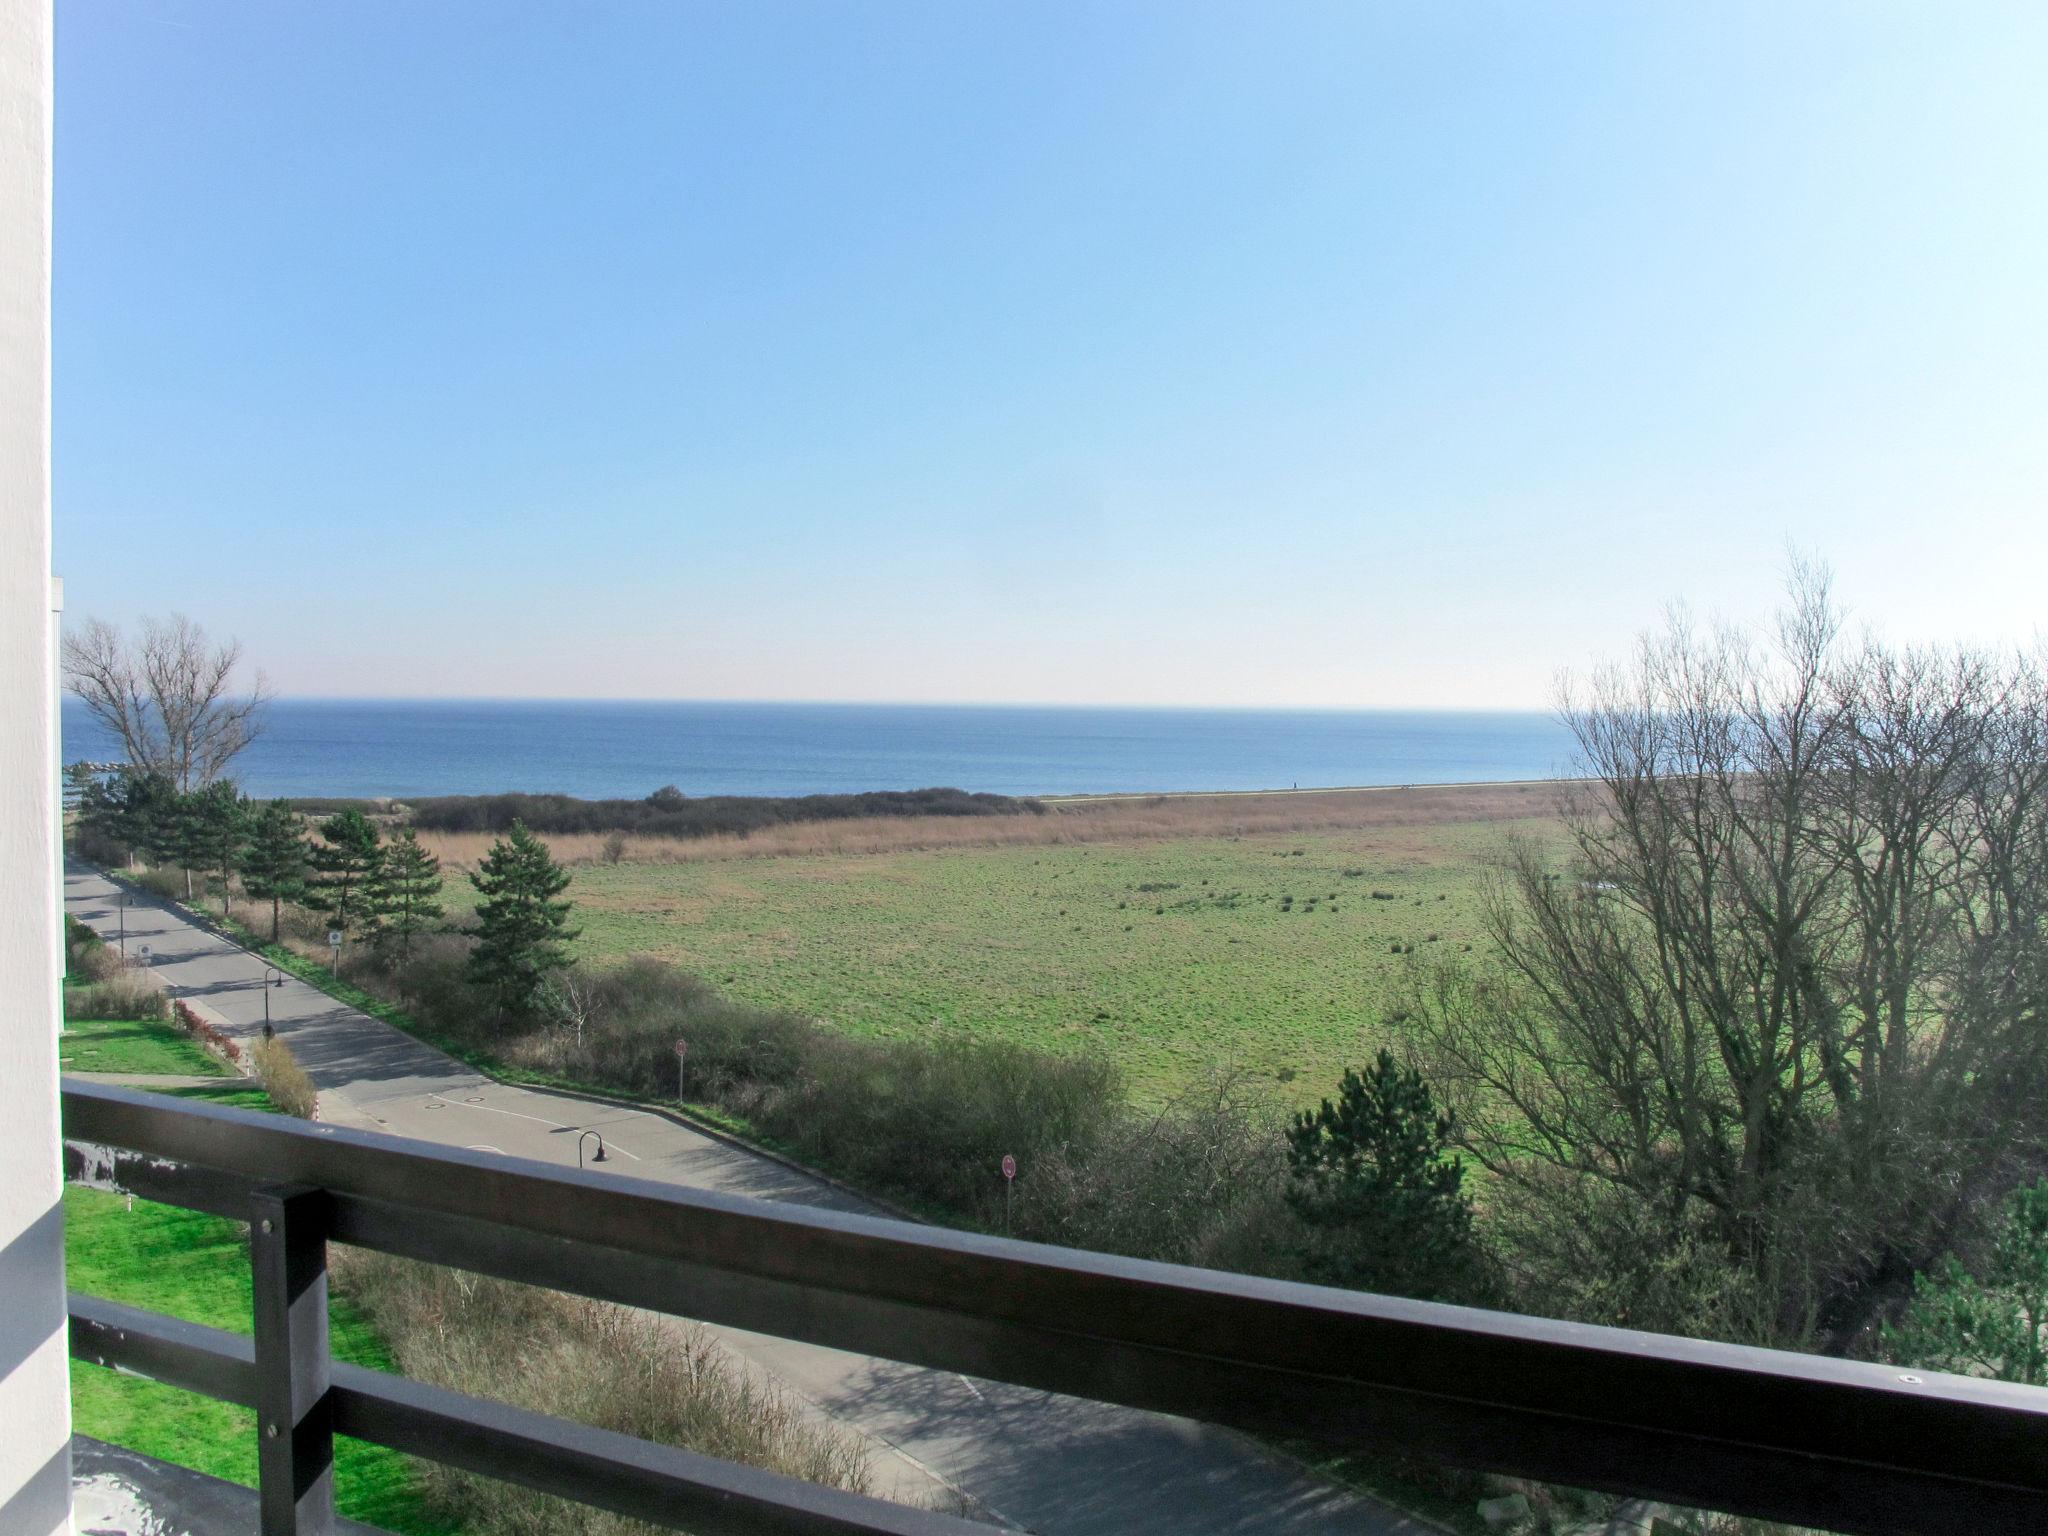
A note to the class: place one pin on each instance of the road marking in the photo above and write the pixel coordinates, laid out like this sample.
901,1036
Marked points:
484,1146
970,1386
609,1146
494,1109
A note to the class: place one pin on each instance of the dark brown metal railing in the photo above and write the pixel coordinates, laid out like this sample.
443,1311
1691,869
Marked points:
1836,1444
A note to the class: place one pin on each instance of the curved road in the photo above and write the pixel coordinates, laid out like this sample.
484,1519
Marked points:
1057,1465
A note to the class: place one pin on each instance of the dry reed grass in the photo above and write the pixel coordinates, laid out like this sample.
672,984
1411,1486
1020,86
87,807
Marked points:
290,1089
609,1366
1154,818
128,995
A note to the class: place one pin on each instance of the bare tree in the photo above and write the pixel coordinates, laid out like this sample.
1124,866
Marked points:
1786,996
169,696
575,999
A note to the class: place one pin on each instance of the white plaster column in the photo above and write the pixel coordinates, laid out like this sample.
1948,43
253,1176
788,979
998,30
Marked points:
35,1407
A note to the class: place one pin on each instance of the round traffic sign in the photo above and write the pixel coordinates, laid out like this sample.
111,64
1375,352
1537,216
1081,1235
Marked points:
1009,1166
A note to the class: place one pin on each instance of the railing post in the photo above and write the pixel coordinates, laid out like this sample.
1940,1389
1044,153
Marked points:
294,1412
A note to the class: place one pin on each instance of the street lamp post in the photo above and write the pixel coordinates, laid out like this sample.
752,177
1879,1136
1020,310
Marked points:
272,977
123,904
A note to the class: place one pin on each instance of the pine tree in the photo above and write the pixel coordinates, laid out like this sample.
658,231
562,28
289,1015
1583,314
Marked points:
1994,1322
182,835
97,808
405,892
274,865
1374,1182
522,932
217,830
345,863
146,817
138,807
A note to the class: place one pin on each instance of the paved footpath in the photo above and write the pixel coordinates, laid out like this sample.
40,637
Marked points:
1057,1465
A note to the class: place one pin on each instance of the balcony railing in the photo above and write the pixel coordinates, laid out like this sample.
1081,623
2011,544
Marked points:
1837,1444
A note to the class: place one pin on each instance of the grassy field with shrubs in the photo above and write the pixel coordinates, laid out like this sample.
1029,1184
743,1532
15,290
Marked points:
1268,954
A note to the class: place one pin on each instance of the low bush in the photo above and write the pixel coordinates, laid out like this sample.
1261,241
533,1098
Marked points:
632,1372
1198,1182
95,847
166,884
207,1034
432,983
124,995
87,957
934,1120
284,1079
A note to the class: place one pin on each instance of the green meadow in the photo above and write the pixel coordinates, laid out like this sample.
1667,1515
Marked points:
133,1045
1265,953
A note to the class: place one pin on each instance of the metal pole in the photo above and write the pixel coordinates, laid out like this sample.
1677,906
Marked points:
123,905
294,1412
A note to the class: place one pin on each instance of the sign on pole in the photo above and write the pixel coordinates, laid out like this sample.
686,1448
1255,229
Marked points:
1009,1166
682,1051
1009,1179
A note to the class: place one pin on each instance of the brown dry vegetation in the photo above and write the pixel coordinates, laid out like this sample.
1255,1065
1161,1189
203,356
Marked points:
1148,818
290,1089
622,1370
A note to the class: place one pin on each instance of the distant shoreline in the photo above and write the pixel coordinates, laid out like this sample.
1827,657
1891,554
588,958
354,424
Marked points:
1314,789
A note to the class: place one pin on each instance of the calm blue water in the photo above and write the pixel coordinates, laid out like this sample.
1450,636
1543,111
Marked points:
413,748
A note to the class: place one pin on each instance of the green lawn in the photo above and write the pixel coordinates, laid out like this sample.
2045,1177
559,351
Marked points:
196,1266
1267,952
129,1045
234,1093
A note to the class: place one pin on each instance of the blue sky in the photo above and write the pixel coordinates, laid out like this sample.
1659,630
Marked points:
1348,355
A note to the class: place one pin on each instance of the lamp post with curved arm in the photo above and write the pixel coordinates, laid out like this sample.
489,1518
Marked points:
272,977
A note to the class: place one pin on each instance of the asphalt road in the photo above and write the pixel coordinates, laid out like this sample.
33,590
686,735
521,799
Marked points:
1057,1465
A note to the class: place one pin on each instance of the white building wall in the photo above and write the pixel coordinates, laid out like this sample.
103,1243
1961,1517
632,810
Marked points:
35,1414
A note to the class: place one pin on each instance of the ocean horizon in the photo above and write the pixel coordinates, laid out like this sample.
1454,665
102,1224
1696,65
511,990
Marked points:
413,748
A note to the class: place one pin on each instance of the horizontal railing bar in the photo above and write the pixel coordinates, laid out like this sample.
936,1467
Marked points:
1623,1458
1839,1443
189,1185
636,1478
210,1361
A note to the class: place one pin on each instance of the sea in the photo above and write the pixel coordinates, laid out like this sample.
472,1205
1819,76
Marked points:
406,749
